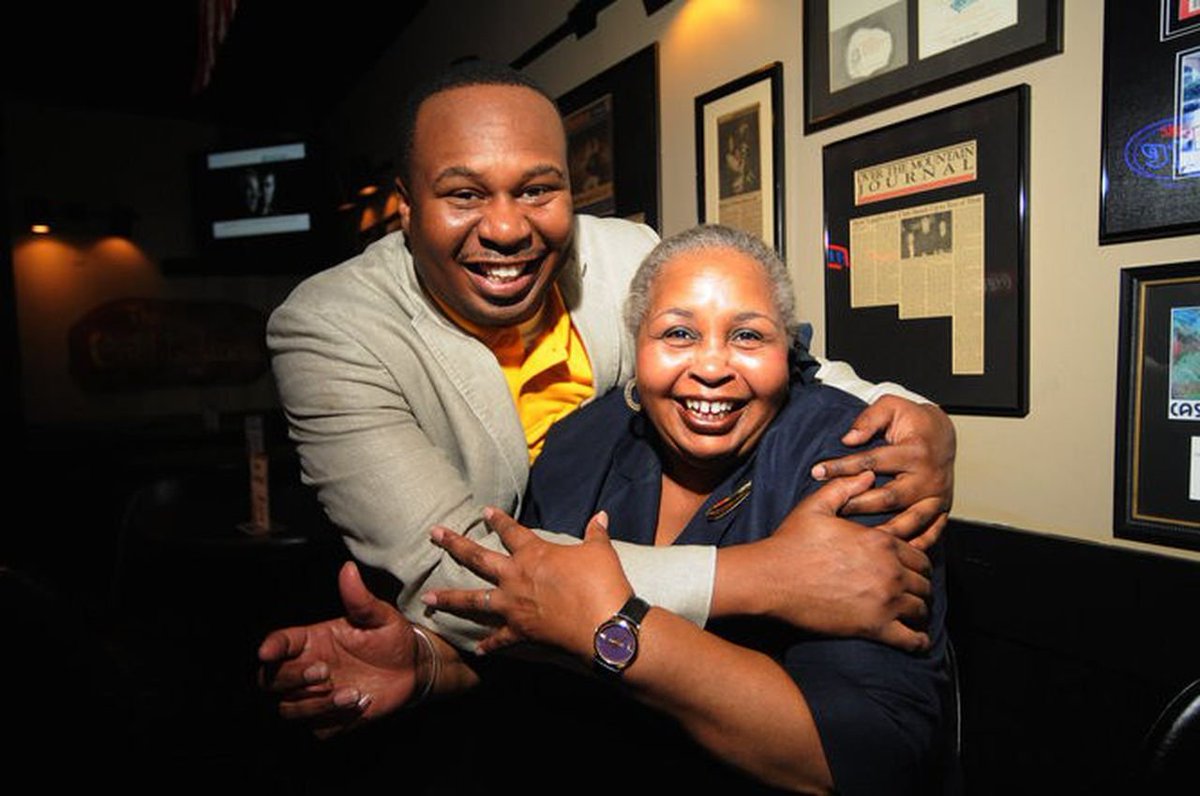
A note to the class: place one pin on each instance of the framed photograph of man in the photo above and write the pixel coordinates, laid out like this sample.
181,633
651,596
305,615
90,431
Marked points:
861,56
1150,169
927,251
739,155
612,140
1157,478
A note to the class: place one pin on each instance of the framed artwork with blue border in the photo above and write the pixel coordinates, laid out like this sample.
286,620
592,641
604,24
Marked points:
1150,170
1157,478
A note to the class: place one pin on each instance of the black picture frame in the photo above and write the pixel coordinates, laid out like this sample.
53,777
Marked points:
631,124
927,251
922,57
750,198
1157,473
1150,132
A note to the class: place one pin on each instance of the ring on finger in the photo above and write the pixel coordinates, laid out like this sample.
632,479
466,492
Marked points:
487,599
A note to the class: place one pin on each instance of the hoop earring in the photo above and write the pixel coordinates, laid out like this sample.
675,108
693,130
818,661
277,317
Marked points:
631,399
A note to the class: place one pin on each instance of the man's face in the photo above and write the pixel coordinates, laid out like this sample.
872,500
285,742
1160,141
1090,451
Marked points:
487,208
252,189
268,189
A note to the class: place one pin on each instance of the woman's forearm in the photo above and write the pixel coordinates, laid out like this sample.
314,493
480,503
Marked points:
752,716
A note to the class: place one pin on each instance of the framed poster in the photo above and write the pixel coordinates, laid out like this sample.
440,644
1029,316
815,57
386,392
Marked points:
1150,169
1157,479
612,140
926,254
590,157
861,56
739,155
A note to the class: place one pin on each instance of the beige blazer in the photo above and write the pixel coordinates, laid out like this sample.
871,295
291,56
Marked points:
403,421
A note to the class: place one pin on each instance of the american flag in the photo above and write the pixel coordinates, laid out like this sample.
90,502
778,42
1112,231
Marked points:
214,19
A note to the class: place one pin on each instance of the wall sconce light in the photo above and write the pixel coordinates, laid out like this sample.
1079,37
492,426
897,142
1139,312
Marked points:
38,218
373,184
74,218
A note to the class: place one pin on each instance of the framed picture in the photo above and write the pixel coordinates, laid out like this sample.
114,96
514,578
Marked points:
861,56
1150,169
1157,480
927,251
739,155
612,140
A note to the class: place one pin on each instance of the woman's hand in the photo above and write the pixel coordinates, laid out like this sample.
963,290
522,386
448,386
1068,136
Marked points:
920,454
545,592
338,674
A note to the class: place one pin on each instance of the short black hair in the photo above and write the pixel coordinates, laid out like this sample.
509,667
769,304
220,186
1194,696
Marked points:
473,72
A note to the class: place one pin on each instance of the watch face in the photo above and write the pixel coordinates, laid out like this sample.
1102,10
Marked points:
616,643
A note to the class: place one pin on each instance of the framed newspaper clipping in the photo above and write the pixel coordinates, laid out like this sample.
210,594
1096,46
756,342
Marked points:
861,56
1157,479
612,140
926,252
739,155
1150,169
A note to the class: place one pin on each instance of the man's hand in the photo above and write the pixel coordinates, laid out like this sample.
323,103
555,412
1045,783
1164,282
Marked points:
338,674
550,593
829,575
920,454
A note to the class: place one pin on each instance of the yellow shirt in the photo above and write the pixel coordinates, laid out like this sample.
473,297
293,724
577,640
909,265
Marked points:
546,366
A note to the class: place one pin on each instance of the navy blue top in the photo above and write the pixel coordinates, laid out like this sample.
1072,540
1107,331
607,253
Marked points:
877,709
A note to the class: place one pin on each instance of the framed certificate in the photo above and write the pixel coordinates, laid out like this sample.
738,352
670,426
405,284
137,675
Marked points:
739,155
861,56
1157,479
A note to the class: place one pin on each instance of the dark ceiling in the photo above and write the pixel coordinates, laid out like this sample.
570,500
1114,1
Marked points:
284,64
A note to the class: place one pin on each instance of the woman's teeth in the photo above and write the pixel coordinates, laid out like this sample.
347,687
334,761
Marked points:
709,407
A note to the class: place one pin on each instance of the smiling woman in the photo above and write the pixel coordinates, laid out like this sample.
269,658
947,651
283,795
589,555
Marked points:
715,447
712,363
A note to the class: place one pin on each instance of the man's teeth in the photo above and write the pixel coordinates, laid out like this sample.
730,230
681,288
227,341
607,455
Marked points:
502,273
709,407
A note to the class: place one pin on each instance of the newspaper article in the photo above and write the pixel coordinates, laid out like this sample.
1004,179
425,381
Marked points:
928,261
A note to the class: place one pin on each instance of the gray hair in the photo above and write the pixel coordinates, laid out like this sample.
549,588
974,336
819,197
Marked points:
710,236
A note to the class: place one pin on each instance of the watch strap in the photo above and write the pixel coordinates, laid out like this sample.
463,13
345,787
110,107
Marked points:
634,609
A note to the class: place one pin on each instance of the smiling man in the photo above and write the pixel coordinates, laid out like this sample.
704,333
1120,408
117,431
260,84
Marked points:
420,377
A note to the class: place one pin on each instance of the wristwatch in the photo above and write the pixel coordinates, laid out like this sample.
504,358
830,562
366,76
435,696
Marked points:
616,639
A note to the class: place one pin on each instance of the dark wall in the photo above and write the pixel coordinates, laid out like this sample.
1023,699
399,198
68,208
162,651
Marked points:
1068,651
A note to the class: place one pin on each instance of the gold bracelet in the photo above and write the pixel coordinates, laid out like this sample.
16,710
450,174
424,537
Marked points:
435,664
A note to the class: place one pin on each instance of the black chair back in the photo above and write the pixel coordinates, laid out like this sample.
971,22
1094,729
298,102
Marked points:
952,772
1170,761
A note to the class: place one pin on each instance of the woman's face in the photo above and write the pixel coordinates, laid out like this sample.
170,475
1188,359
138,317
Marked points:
711,357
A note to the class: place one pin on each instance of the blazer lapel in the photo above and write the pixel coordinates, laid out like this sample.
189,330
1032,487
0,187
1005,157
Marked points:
602,334
471,368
